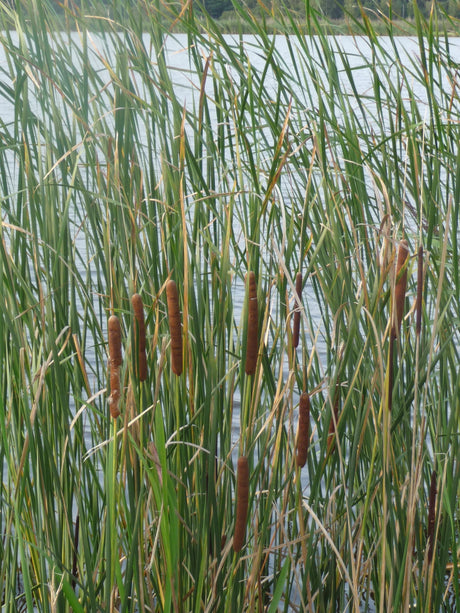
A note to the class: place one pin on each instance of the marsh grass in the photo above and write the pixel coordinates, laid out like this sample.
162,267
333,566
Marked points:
113,184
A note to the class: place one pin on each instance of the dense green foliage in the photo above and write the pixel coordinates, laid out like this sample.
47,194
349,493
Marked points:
131,155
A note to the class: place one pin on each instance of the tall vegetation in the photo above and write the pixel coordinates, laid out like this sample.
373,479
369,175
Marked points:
171,203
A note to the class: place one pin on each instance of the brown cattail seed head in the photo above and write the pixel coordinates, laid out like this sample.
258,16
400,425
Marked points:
138,309
400,285
252,342
115,361
303,431
242,501
175,326
114,341
296,325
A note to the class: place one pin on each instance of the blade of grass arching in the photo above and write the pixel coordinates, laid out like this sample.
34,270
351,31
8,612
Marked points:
278,162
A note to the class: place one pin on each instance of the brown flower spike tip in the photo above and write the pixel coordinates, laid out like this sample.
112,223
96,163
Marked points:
303,430
252,341
400,286
115,361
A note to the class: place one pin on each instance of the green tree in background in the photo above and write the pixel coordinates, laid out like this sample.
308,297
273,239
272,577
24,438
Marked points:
216,7
333,8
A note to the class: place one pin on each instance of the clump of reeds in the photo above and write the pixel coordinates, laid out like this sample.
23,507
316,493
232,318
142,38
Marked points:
200,195
303,430
252,342
296,323
175,326
141,365
242,502
115,361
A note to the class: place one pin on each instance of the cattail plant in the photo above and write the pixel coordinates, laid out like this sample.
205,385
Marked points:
252,342
296,324
400,287
138,309
303,430
431,516
242,501
115,361
175,326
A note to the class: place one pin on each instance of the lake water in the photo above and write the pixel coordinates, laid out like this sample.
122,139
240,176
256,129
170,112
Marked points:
356,50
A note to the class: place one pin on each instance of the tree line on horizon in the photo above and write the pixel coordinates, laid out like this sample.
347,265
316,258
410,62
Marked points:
339,9
331,9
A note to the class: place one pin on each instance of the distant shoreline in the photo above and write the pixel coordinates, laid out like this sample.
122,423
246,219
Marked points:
231,23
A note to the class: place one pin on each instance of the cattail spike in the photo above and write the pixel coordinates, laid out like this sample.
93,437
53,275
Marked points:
138,309
303,431
252,342
296,324
114,328
400,286
175,326
242,502
115,361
